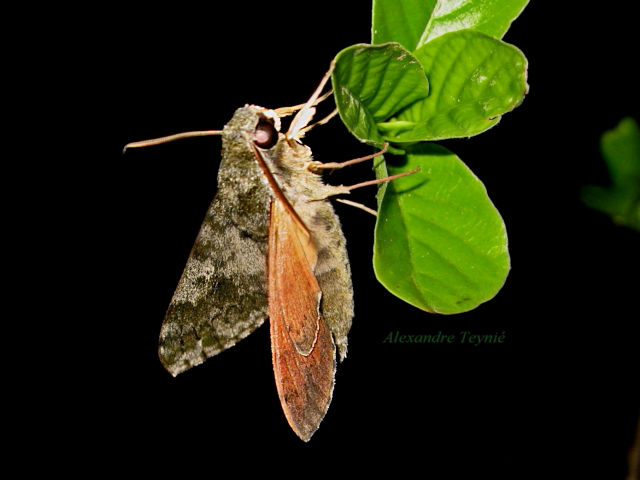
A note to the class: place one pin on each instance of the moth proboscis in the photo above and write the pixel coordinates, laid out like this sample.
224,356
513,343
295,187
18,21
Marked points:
271,246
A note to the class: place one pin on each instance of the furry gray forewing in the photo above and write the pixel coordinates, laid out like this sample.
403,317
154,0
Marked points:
222,294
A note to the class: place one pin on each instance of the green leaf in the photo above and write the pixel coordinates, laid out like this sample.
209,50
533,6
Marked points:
473,79
492,17
413,23
621,151
373,82
400,21
440,244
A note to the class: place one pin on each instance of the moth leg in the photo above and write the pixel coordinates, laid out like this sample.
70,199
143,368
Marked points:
357,205
332,190
286,111
319,122
305,114
317,167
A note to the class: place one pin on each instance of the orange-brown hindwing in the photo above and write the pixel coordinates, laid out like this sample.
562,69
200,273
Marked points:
302,348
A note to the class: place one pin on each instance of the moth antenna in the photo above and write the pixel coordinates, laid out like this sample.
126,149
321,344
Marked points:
286,111
357,205
170,138
318,166
304,116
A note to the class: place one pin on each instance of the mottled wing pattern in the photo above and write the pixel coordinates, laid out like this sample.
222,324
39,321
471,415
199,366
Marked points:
302,347
222,294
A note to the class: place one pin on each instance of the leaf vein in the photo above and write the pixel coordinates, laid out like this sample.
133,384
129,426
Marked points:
453,63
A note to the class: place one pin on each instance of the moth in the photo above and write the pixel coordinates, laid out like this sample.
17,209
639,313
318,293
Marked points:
270,246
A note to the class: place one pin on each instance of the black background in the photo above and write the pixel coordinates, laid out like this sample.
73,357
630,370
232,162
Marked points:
559,396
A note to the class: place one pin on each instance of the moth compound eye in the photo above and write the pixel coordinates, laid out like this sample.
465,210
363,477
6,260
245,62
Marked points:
265,134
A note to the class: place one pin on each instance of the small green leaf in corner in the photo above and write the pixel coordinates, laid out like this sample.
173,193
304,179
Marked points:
621,151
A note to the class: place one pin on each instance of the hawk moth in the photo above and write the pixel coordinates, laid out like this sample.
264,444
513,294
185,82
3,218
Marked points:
270,246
